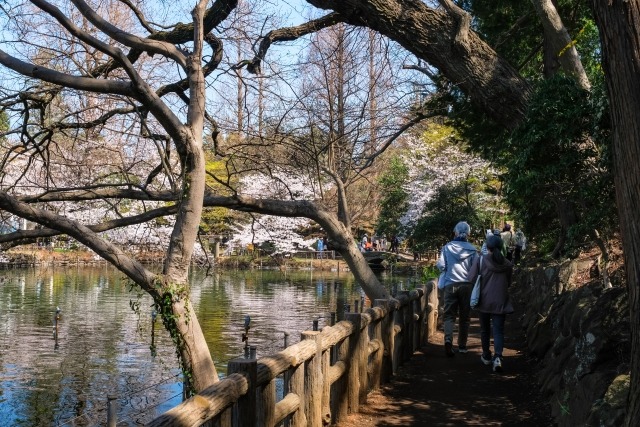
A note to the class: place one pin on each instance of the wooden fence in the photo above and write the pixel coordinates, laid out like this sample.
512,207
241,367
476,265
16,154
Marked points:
325,376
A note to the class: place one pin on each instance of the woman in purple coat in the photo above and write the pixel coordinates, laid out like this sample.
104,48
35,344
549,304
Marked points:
494,304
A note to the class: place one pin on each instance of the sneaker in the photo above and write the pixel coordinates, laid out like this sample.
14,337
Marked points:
497,364
448,349
485,360
462,349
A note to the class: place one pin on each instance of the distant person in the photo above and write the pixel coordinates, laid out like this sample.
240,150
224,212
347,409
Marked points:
394,244
494,303
320,246
415,248
508,241
364,241
455,261
520,245
495,232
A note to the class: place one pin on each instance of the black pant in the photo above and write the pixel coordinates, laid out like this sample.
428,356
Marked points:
517,254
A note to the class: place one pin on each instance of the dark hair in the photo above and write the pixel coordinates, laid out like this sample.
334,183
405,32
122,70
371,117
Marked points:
494,243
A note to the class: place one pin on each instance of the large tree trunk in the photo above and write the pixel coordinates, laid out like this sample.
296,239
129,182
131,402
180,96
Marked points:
619,25
198,366
343,241
558,40
568,218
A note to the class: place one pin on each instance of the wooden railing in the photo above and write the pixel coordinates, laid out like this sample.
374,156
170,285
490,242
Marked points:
325,376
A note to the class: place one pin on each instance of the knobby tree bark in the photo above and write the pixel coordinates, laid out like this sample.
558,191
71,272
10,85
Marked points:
619,25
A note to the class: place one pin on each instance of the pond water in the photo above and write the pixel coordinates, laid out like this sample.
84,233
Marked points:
107,343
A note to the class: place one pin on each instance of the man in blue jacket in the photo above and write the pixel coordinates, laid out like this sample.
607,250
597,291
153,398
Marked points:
455,262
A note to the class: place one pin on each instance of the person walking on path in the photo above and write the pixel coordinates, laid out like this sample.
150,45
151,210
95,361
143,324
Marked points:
495,304
483,249
508,241
521,241
455,262
394,244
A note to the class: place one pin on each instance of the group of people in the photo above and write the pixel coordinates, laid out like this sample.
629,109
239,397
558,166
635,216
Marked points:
378,244
460,264
512,244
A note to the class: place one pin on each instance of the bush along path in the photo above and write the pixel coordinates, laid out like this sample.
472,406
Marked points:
432,389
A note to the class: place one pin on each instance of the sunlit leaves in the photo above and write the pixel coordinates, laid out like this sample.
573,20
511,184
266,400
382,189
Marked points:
559,162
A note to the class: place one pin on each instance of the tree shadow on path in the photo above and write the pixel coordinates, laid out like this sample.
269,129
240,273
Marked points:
432,389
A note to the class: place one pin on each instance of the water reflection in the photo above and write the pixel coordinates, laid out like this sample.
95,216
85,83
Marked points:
62,376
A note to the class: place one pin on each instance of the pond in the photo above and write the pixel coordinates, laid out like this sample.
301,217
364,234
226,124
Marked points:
106,343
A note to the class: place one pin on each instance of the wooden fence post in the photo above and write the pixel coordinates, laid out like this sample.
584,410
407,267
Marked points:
225,418
313,382
432,310
415,320
359,356
112,411
354,362
294,383
375,330
407,327
398,330
266,404
419,318
388,339
422,322
326,384
340,399
244,411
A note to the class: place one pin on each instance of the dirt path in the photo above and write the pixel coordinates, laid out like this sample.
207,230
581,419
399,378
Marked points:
434,390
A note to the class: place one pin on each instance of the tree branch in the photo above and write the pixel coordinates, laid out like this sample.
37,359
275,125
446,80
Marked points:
67,80
144,44
289,34
132,268
22,237
463,19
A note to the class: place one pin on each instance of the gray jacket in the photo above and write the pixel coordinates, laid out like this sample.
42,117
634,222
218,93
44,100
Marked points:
455,261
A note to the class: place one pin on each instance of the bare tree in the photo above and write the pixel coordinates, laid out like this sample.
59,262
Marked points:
122,76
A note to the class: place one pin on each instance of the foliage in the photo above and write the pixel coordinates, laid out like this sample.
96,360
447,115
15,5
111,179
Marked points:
394,201
449,206
447,184
558,176
219,221
513,29
559,163
430,272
